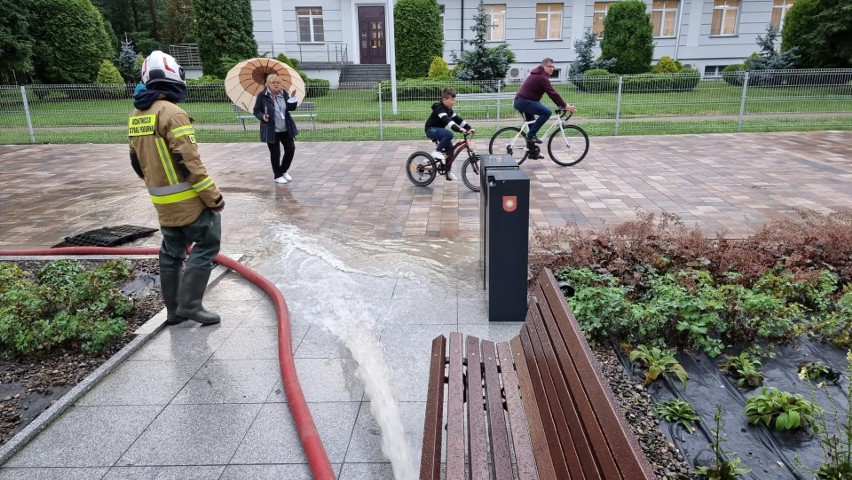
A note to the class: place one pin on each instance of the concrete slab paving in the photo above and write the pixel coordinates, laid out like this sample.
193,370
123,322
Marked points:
355,248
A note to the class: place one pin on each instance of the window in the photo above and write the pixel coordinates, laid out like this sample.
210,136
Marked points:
442,15
548,21
495,20
598,17
664,16
712,71
779,10
310,24
725,17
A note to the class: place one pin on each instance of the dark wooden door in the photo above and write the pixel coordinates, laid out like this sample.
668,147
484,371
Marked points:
371,34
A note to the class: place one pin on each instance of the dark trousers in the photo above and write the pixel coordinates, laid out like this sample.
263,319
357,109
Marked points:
531,108
281,165
205,232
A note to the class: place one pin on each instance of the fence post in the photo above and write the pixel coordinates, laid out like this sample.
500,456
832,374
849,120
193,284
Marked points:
381,119
498,101
618,104
27,113
742,102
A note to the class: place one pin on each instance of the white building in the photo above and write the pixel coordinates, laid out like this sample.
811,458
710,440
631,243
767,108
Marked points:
325,34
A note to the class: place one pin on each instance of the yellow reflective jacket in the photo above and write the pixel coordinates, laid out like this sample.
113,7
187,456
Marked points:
164,154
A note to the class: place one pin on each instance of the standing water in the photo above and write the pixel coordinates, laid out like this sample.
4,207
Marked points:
338,297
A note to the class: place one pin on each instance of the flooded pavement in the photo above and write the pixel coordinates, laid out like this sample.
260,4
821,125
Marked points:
372,269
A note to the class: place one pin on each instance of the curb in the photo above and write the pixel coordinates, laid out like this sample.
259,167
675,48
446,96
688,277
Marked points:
143,334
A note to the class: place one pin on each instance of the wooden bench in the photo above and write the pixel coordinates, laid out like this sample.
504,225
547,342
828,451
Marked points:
305,109
490,101
543,391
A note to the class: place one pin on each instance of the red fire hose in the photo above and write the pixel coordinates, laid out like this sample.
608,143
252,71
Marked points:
311,442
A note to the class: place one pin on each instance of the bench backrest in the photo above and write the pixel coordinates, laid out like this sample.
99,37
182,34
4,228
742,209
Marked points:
594,440
306,107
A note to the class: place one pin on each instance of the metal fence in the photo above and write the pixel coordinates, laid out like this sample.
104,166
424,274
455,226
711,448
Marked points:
607,105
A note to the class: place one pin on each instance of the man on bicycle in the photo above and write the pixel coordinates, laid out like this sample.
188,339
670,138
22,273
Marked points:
528,100
436,127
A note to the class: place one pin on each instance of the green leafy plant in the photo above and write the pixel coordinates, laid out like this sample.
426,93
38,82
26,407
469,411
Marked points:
744,369
720,469
64,305
780,410
677,411
657,362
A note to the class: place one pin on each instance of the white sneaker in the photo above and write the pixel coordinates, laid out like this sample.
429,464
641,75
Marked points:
438,155
450,176
288,177
281,180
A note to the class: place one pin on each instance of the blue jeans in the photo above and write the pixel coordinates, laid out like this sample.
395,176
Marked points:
530,108
205,232
444,138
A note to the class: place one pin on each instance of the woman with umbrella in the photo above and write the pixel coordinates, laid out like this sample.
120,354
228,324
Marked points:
272,107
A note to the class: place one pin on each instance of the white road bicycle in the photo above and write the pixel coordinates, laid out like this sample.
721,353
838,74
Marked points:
567,144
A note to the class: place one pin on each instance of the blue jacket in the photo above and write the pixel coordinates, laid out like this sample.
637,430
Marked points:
265,104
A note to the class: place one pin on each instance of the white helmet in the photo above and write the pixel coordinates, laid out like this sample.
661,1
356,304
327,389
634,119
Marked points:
162,67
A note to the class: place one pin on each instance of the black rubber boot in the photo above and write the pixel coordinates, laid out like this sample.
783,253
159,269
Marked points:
191,294
170,285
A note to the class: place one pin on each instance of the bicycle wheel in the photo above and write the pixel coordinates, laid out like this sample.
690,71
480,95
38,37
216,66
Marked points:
470,173
507,140
421,168
568,146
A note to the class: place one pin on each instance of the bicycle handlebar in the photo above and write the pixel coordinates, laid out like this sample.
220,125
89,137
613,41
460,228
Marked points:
562,113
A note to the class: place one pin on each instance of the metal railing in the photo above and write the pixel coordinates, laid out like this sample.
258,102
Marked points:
615,105
336,53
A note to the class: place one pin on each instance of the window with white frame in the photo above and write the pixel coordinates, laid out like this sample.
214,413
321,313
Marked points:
725,17
443,8
598,18
495,20
712,71
779,11
664,17
310,24
548,21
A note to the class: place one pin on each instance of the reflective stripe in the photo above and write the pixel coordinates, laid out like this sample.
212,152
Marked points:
166,160
176,188
173,198
203,185
184,130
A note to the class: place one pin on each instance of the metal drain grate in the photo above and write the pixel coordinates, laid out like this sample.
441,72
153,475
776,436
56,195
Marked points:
107,236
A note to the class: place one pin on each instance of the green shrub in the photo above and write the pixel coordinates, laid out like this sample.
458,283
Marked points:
439,68
667,65
628,37
646,83
424,89
733,74
223,28
110,82
317,87
63,306
599,80
419,36
686,79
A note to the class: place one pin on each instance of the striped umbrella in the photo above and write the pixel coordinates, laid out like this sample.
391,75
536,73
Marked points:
248,78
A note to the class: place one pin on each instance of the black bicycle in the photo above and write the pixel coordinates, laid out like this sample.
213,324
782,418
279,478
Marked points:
422,168
567,144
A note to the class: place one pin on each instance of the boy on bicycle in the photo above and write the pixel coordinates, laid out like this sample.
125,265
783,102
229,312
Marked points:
436,127
528,100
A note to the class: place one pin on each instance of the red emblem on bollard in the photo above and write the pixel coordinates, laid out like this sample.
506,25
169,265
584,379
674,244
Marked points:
510,203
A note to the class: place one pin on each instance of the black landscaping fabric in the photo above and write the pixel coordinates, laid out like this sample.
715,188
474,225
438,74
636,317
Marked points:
769,453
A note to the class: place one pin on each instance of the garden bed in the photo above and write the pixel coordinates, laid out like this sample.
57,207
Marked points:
29,385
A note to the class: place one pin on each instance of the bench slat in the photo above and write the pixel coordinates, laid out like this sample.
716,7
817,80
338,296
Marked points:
543,462
477,437
455,408
501,458
430,458
575,406
562,458
629,458
518,420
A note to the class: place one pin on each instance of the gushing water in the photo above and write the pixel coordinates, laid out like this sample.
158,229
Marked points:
338,302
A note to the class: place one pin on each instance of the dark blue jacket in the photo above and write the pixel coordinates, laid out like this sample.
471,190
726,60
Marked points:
265,104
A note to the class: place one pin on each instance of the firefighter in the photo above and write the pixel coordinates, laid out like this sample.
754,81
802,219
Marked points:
163,152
